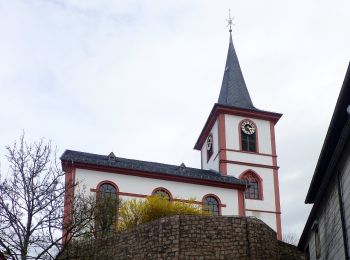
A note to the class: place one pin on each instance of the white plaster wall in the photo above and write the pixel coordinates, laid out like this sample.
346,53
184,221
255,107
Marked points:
145,186
268,203
249,158
213,163
232,133
268,218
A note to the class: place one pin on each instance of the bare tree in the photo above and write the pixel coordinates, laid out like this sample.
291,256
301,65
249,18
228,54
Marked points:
32,198
290,238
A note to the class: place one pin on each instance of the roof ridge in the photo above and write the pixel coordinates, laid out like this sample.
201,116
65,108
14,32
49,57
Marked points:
134,160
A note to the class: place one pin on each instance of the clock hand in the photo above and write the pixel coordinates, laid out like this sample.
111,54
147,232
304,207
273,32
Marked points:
251,129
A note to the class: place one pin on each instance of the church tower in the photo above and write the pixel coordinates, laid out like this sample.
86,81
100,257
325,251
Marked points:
238,139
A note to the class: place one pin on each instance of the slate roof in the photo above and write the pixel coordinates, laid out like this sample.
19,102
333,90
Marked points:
166,169
234,91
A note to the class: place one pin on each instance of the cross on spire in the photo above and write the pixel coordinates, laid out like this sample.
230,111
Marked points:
230,20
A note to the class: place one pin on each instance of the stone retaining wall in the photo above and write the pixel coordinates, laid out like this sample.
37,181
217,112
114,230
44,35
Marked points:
193,237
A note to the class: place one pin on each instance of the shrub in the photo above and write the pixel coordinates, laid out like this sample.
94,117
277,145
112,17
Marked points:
135,212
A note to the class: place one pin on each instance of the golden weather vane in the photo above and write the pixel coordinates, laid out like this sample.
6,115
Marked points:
230,20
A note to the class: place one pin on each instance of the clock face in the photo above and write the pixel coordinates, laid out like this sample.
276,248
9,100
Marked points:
248,127
210,142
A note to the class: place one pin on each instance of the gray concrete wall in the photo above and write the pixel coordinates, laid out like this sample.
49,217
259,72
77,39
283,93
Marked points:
328,214
344,167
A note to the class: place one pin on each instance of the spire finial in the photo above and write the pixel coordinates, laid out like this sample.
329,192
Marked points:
230,20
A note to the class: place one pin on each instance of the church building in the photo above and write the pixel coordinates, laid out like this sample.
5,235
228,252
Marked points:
238,174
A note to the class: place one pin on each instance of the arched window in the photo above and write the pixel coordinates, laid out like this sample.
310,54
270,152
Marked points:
248,136
211,205
106,208
107,190
162,192
254,190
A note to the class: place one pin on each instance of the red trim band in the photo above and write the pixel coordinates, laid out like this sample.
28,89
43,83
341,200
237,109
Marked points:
68,201
241,151
276,182
222,145
251,164
241,203
136,195
128,194
264,211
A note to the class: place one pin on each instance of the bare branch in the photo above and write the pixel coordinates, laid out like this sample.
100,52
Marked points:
32,199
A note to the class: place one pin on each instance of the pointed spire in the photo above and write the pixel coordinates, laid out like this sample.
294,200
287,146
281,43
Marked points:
234,91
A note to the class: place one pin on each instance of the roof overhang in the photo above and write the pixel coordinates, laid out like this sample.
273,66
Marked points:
222,109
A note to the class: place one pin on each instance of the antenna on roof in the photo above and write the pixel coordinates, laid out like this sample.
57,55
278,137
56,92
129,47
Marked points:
230,20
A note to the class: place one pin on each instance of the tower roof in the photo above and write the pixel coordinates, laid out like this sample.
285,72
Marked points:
234,91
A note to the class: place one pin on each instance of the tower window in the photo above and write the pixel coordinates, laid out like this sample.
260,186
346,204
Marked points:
248,136
209,145
254,191
211,205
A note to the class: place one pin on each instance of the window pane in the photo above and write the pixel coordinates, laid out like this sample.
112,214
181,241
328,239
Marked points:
254,189
252,143
162,193
108,190
252,192
211,205
244,142
248,142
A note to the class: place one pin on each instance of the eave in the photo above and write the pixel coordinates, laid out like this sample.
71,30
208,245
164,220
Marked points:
221,109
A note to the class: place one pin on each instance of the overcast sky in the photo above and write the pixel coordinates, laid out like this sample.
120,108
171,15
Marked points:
139,78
